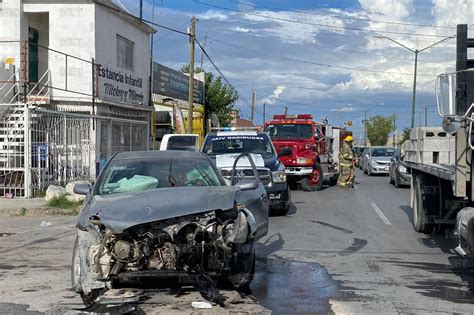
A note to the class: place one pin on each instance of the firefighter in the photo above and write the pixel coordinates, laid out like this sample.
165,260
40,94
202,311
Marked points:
346,164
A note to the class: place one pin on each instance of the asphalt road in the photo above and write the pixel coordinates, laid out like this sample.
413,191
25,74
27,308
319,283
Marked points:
337,251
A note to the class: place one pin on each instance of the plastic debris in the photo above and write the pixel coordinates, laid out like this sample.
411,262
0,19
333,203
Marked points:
201,305
8,196
45,223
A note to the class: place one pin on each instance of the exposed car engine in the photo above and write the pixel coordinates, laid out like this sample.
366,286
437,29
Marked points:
197,244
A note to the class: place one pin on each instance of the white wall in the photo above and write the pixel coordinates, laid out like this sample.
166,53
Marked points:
108,26
85,30
12,28
71,31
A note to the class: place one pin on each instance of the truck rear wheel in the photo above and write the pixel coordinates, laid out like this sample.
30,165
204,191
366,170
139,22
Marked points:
314,182
420,206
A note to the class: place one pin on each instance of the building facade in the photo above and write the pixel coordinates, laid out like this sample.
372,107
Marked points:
75,89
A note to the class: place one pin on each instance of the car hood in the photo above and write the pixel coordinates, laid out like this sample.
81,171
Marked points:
121,211
227,160
381,159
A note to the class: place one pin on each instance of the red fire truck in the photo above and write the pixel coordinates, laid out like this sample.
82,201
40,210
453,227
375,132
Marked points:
309,150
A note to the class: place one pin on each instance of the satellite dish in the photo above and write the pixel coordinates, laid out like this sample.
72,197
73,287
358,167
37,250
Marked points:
450,125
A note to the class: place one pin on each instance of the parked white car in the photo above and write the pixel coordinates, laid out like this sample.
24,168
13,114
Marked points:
186,142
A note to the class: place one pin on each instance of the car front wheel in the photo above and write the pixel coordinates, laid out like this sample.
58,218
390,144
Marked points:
243,270
76,275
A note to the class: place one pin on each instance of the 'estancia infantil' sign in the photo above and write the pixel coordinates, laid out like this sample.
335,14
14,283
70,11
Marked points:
120,86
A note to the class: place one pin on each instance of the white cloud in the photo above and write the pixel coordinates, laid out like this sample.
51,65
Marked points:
345,109
394,9
271,99
449,12
240,29
213,15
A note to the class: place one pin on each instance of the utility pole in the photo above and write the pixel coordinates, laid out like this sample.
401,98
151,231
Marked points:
254,98
365,128
263,119
426,116
141,9
286,111
192,38
413,100
394,128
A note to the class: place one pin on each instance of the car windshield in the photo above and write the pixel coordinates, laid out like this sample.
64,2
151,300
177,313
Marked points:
383,151
289,131
132,175
258,144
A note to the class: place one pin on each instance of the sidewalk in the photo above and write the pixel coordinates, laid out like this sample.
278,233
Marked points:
7,205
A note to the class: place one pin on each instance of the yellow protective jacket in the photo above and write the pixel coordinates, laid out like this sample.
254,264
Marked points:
346,156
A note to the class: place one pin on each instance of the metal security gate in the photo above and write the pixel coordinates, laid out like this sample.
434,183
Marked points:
62,148
41,147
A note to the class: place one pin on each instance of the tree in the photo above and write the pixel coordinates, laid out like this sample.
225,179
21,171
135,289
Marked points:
220,96
405,136
378,129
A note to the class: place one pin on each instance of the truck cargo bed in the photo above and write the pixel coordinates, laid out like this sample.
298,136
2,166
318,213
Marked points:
444,171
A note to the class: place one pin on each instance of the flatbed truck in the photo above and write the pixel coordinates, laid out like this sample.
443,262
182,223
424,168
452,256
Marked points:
442,168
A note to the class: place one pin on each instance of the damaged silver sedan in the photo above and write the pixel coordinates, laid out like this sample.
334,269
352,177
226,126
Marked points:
159,213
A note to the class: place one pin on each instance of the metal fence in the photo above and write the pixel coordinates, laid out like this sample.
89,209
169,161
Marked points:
40,147
60,148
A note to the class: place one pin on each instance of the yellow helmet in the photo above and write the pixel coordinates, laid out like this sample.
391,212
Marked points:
348,139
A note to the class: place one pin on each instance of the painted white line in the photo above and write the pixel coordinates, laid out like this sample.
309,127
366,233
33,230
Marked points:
380,214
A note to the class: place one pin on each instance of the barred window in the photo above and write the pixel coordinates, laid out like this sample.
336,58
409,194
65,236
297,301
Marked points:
124,53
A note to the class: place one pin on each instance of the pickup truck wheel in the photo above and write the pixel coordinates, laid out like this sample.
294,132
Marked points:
419,207
314,182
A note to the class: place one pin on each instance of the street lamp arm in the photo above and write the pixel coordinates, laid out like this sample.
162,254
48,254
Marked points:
392,40
434,44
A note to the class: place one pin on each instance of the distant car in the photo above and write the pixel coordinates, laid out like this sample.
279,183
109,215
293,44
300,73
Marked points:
358,155
398,173
376,160
167,213
185,142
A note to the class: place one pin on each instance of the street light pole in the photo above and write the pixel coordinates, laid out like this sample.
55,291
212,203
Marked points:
413,100
416,52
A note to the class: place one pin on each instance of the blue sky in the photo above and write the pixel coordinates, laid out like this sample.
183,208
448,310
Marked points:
318,57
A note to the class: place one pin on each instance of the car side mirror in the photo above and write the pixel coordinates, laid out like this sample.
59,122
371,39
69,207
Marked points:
248,185
82,188
284,152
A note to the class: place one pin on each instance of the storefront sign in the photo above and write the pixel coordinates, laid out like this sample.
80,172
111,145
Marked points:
120,86
172,83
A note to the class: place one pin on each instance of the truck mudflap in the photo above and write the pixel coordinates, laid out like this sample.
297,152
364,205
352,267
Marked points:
465,231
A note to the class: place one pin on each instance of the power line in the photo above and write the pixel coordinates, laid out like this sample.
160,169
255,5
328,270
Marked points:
244,100
141,19
316,63
343,16
168,34
316,24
